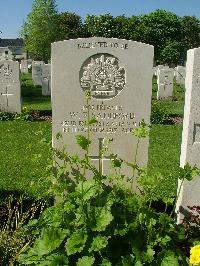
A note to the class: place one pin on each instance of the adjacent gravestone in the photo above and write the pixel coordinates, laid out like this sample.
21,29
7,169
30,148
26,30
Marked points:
118,73
37,72
10,91
159,67
165,83
180,75
24,66
190,148
46,79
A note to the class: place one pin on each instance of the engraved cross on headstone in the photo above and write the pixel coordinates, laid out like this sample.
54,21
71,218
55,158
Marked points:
101,158
166,82
7,94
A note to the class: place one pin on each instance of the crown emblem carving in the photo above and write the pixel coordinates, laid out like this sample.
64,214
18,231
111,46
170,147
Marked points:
5,70
103,76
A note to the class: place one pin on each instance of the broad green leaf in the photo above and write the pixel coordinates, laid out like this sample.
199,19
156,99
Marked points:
86,261
142,131
188,172
106,262
129,260
50,239
92,121
170,259
103,217
76,242
52,260
99,242
83,142
87,189
117,162
150,254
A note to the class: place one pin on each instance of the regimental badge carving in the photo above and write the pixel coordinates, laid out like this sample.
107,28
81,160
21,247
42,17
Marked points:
5,70
103,76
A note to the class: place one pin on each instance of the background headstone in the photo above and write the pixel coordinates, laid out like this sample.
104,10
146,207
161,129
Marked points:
165,83
10,91
24,66
119,75
180,75
37,72
46,79
190,148
159,67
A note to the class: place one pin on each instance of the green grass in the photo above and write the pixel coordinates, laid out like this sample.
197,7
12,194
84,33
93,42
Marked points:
164,152
32,97
175,105
23,157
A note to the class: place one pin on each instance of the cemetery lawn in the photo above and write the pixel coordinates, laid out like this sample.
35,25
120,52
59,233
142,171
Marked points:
32,98
164,153
23,157
175,105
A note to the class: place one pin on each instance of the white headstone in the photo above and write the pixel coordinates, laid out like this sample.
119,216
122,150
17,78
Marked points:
118,74
159,67
10,91
190,148
24,66
165,83
180,75
37,72
46,79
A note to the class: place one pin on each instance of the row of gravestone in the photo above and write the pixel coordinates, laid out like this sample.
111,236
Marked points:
165,79
10,89
118,75
41,75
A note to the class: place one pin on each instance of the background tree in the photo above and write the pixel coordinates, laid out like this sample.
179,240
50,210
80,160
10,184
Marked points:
171,53
40,29
127,28
158,28
69,26
190,30
100,26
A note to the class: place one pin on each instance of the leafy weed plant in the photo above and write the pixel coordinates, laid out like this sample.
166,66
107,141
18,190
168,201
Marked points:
101,219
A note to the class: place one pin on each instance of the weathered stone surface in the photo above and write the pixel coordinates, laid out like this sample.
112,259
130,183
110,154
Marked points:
180,75
10,91
46,79
24,66
159,67
37,72
165,83
118,74
190,148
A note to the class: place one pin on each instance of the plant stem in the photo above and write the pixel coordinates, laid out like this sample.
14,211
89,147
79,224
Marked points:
134,161
179,191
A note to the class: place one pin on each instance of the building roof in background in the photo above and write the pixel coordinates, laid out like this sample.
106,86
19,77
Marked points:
11,42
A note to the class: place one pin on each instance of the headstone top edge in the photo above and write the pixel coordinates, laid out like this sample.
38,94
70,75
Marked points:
101,38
